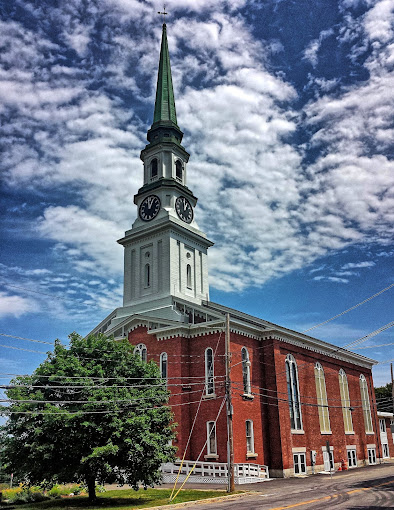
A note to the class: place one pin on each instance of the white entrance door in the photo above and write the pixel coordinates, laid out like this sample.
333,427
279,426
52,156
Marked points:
328,461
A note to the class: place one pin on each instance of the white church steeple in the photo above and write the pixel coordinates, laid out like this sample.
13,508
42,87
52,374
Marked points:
165,253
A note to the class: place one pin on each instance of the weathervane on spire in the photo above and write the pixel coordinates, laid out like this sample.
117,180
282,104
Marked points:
164,13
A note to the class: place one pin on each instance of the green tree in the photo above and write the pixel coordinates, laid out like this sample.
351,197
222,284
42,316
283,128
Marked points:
384,397
91,411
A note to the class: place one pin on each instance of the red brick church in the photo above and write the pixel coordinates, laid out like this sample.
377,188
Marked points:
300,405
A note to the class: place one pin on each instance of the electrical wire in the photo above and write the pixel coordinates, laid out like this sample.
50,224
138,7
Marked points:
5,411
349,309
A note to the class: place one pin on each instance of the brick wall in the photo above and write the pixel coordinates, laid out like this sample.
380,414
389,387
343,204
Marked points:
268,409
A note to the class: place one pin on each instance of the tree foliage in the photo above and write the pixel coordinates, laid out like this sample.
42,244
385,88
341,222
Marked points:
384,397
91,411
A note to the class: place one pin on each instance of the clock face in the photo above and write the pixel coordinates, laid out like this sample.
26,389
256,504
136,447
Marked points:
184,209
149,208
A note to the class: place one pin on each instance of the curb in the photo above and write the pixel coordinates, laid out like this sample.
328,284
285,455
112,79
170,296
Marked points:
219,499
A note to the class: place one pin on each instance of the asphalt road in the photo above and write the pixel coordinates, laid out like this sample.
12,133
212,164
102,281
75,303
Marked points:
364,488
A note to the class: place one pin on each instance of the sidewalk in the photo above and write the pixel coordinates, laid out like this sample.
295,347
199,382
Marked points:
282,483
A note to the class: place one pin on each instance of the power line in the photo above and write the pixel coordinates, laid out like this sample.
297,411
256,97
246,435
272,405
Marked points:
373,346
5,411
98,348
27,339
100,402
350,309
105,378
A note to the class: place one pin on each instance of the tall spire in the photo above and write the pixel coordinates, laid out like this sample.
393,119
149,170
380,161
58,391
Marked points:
164,127
165,101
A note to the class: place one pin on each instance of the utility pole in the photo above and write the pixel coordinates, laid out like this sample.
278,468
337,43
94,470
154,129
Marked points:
230,442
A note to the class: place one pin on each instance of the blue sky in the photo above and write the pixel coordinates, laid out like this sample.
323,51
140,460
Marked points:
287,110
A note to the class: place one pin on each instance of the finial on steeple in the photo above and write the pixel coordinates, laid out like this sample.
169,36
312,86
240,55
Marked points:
164,13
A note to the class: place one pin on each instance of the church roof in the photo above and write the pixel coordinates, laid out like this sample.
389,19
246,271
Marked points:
165,102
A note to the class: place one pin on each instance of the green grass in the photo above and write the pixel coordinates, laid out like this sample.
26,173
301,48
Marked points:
122,499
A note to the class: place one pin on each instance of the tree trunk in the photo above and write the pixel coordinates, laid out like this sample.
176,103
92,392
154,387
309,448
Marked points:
91,483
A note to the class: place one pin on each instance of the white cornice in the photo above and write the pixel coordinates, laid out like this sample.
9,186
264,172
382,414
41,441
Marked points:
167,223
319,347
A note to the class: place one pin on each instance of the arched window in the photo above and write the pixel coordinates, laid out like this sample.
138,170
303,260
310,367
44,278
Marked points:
153,168
322,403
345,400
249,436
141,350
209,376
246,370
366,404
293,393
163,365
147,275
189,276
178,169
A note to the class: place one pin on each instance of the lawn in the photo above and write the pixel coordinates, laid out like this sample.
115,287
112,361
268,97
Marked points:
121,500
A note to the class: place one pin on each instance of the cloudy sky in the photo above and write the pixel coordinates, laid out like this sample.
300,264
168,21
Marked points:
287,110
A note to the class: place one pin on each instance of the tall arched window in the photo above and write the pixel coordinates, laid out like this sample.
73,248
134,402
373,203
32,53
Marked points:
322,403
189,276
141,350
345,400
164,365
366,404
153,168
147,275
293,393
209,375
246,370
178,169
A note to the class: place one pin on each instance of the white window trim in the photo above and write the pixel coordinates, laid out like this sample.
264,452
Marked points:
189,279
252,451
349,456
366,405
246,370
345,402
140,349
290,360
321,395
209,376
299,454
163,357
373,449
155,177
209,428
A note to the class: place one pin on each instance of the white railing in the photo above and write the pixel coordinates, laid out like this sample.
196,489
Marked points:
251,470
216,469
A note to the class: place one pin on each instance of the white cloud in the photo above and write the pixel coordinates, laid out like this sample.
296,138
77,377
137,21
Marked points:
353,265
267,213
93,236
15,306
334,279
311,51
